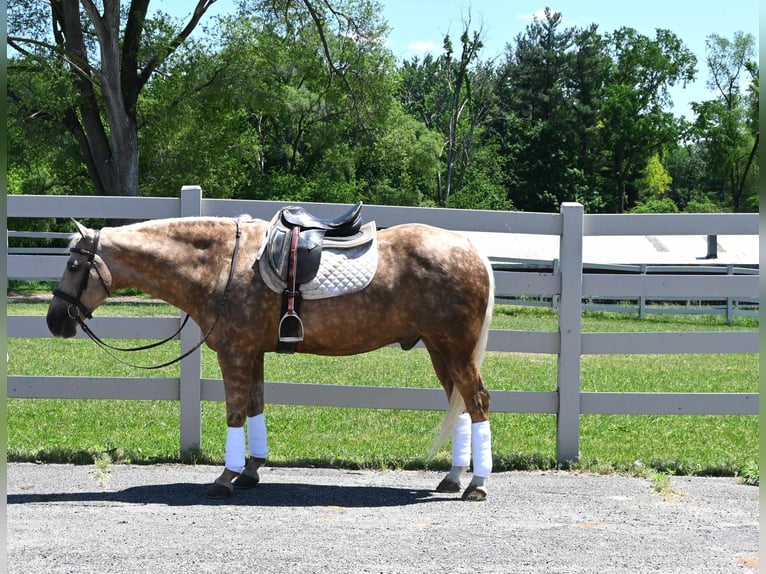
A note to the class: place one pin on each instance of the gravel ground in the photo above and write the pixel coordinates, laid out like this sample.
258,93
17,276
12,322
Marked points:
152,519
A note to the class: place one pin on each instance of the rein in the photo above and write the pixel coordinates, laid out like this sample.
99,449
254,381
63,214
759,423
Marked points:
106,347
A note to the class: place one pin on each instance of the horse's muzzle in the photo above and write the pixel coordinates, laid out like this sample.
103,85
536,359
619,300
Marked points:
61,323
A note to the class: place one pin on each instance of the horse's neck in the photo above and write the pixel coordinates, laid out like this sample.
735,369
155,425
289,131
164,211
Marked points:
179,262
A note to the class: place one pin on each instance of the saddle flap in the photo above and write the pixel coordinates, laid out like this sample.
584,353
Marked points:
309,254
278,250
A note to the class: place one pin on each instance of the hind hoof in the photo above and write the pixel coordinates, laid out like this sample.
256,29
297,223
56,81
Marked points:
446,485
475,493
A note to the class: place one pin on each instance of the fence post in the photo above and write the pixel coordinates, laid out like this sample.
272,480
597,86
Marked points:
730,300
642,298
712,247
191,366
570,322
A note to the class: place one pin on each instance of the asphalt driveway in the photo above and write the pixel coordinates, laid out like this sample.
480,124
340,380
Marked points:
155,519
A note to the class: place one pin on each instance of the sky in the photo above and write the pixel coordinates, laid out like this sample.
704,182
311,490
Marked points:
419,26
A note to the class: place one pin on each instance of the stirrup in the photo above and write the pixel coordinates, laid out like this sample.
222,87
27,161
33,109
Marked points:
285,326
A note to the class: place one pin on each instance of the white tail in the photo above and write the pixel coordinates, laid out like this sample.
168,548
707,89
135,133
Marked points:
456,403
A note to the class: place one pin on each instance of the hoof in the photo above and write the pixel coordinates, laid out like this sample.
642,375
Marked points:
220,489
475,493
446,485
248,479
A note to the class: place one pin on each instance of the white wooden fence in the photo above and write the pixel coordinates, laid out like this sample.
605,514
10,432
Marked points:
569,284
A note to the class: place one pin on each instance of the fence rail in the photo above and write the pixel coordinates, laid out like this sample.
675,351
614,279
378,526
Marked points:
731,307
568,284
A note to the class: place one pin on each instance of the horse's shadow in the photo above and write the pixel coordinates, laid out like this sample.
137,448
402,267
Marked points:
264,495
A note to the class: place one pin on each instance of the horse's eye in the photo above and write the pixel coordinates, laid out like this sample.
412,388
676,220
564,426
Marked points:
74,266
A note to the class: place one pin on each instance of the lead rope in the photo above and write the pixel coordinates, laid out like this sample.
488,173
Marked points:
106,347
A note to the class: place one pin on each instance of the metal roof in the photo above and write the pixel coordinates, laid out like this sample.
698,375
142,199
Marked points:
623,250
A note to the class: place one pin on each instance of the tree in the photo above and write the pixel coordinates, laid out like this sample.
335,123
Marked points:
314,124
108,66
468,92
726,126
635,124
656,180
690,179
453,94
552,85
256,113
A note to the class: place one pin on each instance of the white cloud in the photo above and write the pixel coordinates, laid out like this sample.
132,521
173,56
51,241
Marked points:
424,46
536,15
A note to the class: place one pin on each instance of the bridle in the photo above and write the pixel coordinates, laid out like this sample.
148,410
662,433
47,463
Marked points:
76,304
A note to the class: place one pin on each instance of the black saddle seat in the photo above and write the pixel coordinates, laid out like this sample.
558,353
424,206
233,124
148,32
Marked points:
347,224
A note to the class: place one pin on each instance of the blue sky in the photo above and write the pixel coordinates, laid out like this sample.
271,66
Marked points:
418,26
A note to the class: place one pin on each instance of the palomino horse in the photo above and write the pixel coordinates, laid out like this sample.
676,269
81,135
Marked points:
430,285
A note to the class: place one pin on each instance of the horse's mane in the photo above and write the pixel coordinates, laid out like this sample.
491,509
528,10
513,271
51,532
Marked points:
170,221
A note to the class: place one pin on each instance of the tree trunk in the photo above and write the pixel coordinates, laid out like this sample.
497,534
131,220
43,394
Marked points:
105,124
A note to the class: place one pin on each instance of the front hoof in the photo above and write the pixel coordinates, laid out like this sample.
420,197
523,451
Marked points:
223,486
248,479
218,491
475,493
446,485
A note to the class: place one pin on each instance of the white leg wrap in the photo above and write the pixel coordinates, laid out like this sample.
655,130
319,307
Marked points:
461,441
256,433
481,439
235,448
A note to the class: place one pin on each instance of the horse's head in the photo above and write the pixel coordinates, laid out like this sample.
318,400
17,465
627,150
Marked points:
83,286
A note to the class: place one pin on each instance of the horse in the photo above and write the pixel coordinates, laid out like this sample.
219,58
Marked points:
430,285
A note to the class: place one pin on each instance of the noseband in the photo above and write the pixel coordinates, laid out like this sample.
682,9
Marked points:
75,303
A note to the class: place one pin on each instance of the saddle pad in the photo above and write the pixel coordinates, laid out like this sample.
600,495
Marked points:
342,271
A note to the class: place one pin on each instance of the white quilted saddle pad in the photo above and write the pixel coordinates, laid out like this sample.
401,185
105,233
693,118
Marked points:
342,271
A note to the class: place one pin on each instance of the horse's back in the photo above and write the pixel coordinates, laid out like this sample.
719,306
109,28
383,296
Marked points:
419,248
430,273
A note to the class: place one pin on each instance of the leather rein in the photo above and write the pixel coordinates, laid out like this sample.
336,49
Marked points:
76,306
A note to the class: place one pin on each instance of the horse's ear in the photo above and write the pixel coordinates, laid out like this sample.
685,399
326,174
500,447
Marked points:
81,228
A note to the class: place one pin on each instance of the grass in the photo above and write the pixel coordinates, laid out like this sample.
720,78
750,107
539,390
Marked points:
82,431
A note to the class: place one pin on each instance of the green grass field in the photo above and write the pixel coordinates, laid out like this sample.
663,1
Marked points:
148,431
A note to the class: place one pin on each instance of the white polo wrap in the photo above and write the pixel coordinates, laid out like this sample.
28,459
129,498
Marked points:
235,448
481,440
461,441
256,434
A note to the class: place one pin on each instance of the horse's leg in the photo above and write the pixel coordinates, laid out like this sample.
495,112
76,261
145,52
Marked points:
461,430
256,429
236,370
471,435
461,454
476,399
